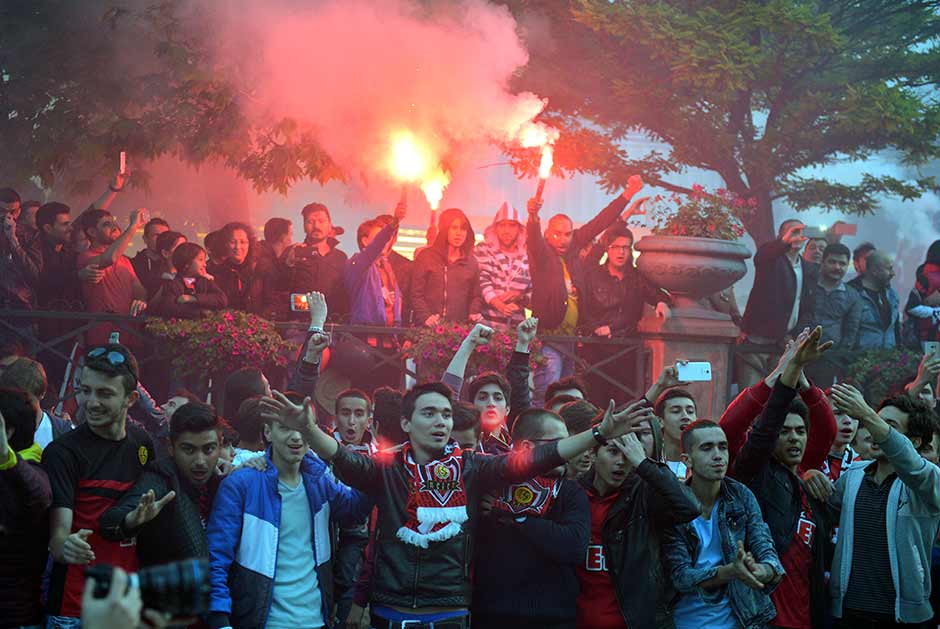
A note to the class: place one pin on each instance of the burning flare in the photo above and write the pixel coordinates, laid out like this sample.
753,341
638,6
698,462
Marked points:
548,159
408,161
433,188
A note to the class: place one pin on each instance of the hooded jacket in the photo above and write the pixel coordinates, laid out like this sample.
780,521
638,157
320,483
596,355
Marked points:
502,271
322,273
448,289
235,280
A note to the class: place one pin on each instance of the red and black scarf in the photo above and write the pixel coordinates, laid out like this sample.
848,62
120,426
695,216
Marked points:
533,497
366,448
437,502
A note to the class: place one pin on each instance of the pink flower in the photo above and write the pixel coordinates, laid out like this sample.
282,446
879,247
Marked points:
228,316
752,202
739,202
439,329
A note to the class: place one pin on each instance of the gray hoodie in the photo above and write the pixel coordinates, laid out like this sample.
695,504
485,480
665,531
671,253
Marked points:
912,520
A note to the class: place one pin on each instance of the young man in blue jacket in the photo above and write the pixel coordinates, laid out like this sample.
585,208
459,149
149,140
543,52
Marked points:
428,496
269,537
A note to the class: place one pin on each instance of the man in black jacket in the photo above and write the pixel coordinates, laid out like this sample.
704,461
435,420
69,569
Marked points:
531,540
428,495
800,525
168,507
553,258
783,289
633,497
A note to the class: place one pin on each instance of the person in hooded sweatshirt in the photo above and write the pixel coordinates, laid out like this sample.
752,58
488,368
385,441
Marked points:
446,279
504,270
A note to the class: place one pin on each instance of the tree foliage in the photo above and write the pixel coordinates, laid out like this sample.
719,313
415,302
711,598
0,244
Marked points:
758,92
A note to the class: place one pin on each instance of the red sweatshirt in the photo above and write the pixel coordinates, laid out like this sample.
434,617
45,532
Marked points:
745,409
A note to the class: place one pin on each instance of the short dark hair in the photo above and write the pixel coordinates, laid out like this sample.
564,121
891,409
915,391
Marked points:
214,244
466,416
411,397
670,395
247,420
46,214
920,417
836,249
239,386
89,220
798,407
101,362
155,222
229,434
184,255
276,228
167,239
578,415
194,417
312,208
785,225
230,228
365,227
530,421
560,400
20,411
686,439
615,232
354,393
489,377
386,414
27,375
9,195
862,250
562,384
31,203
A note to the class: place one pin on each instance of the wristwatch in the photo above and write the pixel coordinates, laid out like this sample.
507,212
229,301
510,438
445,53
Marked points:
598,437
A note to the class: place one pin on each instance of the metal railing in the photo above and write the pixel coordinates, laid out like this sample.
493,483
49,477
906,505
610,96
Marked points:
623,366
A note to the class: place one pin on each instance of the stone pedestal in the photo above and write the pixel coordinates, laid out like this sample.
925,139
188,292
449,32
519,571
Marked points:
704,338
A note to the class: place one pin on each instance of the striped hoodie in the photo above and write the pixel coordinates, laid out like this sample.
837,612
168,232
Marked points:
502,271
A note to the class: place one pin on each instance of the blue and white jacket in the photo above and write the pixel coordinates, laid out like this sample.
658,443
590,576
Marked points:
243,536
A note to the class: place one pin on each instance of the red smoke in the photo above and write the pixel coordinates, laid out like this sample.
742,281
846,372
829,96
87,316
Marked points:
356,72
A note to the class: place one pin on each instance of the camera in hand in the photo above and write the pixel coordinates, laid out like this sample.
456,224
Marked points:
180,588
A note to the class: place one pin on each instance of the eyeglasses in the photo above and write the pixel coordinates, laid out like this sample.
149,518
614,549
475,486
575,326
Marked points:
622,248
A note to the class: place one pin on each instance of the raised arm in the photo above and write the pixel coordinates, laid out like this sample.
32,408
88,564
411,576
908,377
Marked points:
517,373
116,249
107,197
592,229
456,369
307,371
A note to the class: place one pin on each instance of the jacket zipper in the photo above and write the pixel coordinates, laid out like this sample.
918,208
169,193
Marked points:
414,599
444,305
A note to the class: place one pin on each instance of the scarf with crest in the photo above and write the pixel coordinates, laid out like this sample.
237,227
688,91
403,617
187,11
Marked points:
533,497
437,502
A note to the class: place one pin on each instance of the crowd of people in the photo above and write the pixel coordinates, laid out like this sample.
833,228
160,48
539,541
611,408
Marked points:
513,499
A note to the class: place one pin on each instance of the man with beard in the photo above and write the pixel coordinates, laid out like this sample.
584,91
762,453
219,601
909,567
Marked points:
723,563
317,264
374,291
167,509
20,263
531,539
89,468
633,498
119,291
555,287
801,527
504,270
148,263
836,307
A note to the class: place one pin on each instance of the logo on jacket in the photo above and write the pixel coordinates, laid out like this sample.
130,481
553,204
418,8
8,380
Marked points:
142,455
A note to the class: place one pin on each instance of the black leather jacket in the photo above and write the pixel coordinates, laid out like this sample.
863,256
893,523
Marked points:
778,493
20,265
438,576
651,500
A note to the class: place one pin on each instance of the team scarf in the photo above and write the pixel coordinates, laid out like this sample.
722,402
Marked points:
437,502
533,497
366,448
497,442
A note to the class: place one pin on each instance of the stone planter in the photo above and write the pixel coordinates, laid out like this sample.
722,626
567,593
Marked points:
691,269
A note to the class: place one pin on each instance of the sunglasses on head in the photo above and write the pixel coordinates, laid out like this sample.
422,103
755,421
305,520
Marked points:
114,358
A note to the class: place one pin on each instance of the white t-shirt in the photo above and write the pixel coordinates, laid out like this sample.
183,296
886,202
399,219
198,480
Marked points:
795,311
44,431
679,469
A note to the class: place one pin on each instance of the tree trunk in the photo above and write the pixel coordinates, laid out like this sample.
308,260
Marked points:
760,222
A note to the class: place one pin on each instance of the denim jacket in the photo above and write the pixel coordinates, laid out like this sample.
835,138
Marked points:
870,334
739,519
